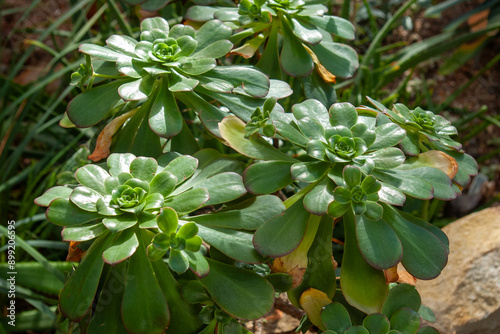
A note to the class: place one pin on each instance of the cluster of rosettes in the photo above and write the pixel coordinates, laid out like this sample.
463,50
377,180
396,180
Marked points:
138,193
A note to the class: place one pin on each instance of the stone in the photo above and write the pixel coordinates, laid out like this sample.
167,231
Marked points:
466,296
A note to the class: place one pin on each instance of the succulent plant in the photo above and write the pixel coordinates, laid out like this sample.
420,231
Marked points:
306,30
167,65
136,214
427,131
400,314
349,167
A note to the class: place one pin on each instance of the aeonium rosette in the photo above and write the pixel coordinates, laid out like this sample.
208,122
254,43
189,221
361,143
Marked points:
147,78
306,29
429,132
136,193
348,164
138,214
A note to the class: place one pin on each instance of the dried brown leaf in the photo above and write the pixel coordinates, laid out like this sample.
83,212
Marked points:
104,139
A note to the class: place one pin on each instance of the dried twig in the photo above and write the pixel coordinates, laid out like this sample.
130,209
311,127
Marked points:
283,304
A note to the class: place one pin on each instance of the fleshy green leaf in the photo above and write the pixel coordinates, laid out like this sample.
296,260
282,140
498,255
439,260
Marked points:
295,59
102,99
231,129
182,167
78,293
198,264
85,198
335,317
282,234
211,163
309,171
178,261
83,233
267,177
317,150
403,182
254,82
334,25
180,83
153,202
241,293
188,230
377,323
424,255
306,32
187,45
165,118
357,330
378,243
122,247
167,221
180,30
122,44
63,212
100,52
311,128
141,298
235,244
281,282
343,114
362,131
337,209
313,109
391,195
183,319
120,163
247,215
363,286
155,23
107,314
92,176
427,330
388,135
402,295
223,187
352,176
319,198
52,194
373,210
163,183
339,59
405,320
215,50
137,90
209,114
388,158
290,133
188,201
197,66
210,32
143,168
119,223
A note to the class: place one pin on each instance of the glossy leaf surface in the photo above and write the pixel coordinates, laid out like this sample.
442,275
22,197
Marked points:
239,292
